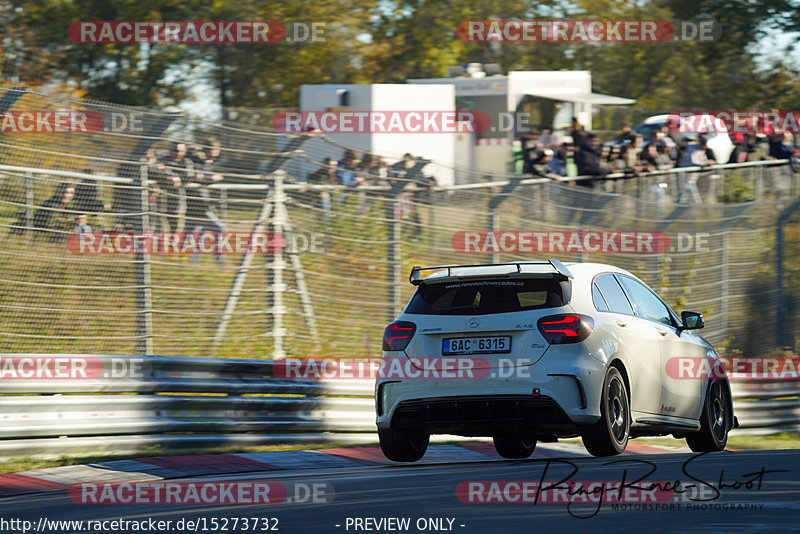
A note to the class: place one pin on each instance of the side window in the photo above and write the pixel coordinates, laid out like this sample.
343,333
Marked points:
597,298
647,304
614,297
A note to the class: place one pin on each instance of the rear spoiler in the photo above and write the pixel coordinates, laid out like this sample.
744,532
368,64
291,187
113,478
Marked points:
560,270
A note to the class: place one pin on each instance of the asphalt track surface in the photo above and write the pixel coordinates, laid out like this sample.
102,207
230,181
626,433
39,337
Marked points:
420,492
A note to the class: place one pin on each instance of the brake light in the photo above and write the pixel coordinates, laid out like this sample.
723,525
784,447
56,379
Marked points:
398,334
569,328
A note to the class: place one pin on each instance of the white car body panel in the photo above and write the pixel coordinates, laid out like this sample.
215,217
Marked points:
570,374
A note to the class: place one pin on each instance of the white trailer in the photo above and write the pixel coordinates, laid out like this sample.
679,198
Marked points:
437,147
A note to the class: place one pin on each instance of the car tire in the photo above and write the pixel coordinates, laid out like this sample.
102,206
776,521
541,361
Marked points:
403,445
609,435
514,446
715,420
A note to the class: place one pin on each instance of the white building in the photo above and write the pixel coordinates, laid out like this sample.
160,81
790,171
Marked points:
549,98
438,147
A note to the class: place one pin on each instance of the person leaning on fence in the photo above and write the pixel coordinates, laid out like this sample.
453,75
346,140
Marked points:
663,159
53,217
200,215
325,175
589,161
540,164
178,169
88,201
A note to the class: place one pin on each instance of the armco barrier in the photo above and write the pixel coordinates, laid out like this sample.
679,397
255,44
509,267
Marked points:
147,403
173,402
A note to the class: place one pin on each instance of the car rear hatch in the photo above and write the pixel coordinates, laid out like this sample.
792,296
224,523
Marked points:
487,313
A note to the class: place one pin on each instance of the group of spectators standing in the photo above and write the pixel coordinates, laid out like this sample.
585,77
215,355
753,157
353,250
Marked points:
178,190
178,196
580,153
372,178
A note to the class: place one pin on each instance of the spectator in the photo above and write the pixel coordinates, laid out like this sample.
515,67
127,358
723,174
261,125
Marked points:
698,154
617,158
199,212
635,152
82,225
739,153
577,133
680,142
783,150
178,169
528,145
648,158
663,158
588,160
666,139
559,162
626,135
326,174
540,164
88,201
347,169
549,139
379,173
52,215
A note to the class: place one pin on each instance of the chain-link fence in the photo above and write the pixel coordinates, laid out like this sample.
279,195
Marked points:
707,240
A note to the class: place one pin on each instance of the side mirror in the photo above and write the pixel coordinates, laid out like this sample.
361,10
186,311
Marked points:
691,320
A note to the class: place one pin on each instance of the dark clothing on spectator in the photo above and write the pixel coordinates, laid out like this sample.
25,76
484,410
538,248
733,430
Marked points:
87,198
52,215
578,137
183,170
589,162
626,137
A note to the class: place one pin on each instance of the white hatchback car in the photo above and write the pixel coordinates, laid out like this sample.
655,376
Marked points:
537,351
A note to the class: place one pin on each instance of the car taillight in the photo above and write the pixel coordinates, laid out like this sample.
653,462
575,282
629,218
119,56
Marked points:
567,328
398,334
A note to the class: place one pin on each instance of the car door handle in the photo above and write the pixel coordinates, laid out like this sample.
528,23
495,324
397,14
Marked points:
622,324
662,332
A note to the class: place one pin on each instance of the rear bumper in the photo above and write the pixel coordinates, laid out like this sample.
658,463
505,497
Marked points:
561,392
484,415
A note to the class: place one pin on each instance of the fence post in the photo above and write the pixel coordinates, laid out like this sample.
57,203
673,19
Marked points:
144,289
780,273
276,286
223,203
394,232
725,285
29,201
493,223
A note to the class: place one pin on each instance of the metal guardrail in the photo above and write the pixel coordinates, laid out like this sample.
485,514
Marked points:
766,403
137,403
205,403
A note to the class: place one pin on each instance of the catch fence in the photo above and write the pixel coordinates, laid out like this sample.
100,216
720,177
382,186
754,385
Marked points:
732,235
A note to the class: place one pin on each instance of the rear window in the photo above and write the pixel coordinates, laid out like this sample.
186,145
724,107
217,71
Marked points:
480,297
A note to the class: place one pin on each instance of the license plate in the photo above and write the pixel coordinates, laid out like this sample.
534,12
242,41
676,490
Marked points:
476,345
